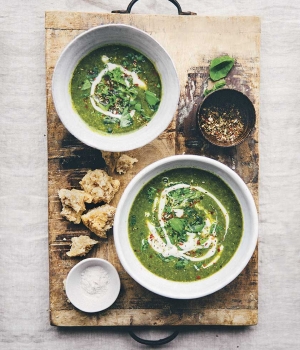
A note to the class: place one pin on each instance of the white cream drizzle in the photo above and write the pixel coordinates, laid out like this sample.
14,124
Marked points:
166,248
110,67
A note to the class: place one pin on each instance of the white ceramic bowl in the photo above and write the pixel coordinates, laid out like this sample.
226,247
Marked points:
186,290
143,43
84,301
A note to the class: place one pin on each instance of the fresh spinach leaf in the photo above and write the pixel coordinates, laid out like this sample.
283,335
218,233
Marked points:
218,85
220,67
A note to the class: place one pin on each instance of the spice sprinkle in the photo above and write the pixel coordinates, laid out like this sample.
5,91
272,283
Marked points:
224,124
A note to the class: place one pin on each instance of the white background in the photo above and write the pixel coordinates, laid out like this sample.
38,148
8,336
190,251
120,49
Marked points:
24,322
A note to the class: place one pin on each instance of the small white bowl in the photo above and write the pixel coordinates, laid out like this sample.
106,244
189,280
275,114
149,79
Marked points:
140,41
211,284
84,301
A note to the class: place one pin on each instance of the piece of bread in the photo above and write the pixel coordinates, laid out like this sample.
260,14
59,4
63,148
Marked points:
110,159
100,219
81,245
73,202
124,163
99,185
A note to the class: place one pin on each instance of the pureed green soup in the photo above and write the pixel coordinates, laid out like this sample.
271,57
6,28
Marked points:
185,224
115,89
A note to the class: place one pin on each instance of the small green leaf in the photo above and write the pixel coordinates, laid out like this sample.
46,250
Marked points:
151,98
197,227
220,67
181,264
86,85
177,224
145,244
219,84
151,193
138,107
132,220
126,120
110,120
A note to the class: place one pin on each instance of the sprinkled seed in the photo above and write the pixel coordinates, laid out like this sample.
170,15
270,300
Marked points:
224,124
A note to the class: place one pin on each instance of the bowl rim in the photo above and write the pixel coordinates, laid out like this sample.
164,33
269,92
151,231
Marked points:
101,140
173,292
93,262
239,141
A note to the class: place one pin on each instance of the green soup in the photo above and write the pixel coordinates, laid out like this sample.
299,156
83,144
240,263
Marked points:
115,89
185,224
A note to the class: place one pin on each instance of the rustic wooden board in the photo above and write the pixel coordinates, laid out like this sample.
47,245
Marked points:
192,41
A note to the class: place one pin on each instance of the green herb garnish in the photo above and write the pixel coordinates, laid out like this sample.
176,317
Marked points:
151,98
86,85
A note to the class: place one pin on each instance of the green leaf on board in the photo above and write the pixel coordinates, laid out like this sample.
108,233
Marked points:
218,85
220,67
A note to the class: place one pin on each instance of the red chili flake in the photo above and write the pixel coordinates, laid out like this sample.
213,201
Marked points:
151,236
198,242
198,277
219,249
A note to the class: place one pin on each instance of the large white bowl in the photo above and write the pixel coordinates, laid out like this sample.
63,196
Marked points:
186,290
138,40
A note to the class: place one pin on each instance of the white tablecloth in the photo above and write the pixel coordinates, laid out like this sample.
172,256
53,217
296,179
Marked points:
24,322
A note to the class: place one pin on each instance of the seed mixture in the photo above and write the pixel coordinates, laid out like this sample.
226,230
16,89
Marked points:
225,124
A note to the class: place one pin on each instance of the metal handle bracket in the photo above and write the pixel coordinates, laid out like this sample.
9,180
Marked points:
175,2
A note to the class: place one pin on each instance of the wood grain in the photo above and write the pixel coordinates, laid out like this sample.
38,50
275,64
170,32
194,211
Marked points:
192,42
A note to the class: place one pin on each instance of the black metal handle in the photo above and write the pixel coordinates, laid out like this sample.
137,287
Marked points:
154,342
180,12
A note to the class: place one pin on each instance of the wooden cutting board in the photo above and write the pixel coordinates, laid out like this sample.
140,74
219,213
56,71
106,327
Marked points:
192,41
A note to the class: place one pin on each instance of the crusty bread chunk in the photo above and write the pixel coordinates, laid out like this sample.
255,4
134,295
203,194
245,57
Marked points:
100,219
81,245
73,202
110,159
124,163
99,185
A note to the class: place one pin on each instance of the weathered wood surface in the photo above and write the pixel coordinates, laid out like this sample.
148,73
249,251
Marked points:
192,41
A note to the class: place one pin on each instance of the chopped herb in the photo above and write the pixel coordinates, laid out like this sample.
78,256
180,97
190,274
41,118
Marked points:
151,193
177,224
132,220
86,85
145,244
126,120
181,264
151,98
